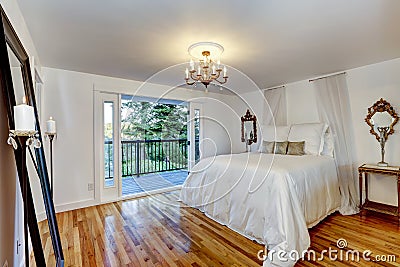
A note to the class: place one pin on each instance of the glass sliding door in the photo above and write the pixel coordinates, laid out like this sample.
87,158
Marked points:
141,144
107,146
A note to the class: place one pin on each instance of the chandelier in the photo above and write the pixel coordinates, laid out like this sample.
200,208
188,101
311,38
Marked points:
207,67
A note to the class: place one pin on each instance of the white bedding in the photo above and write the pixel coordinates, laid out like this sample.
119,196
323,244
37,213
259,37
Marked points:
265,197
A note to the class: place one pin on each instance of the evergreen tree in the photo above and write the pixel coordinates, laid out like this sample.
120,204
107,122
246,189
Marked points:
147,120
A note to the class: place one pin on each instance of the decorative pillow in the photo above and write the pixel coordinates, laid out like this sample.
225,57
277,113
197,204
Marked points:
267,147
328,144
311,133
296,148
281,147
271,133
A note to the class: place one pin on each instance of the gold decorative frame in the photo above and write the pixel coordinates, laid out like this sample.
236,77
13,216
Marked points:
381,106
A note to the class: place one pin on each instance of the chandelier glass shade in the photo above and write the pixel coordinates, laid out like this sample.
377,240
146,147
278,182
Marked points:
207,68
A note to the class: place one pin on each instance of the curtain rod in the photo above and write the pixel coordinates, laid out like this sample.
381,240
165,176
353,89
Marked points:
323,77
276,87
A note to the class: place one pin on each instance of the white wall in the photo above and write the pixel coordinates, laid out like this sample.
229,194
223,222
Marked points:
366,85
14,14
255,102
221,127
7,162
69,99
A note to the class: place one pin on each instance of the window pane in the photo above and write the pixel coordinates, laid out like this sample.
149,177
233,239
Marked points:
108,108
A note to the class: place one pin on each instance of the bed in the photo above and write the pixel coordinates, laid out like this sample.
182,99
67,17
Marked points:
269,198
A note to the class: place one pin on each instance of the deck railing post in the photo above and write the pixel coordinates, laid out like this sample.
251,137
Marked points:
137,158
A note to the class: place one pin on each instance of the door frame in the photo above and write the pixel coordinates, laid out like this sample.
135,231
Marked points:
191,137
106,194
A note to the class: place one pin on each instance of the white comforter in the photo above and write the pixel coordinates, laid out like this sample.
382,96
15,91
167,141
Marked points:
265,197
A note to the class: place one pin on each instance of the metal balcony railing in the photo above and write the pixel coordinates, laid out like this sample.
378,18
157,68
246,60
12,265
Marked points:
147,156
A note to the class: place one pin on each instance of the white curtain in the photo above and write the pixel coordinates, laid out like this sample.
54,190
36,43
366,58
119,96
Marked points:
276,113
334,108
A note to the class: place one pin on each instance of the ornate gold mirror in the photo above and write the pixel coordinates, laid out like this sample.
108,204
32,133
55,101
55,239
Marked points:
249,128
381,114
381,118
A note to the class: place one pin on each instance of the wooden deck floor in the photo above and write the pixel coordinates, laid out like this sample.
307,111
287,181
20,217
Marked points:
159,231
154,181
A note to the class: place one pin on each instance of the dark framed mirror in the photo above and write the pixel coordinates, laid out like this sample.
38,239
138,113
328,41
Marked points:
249,128
16,83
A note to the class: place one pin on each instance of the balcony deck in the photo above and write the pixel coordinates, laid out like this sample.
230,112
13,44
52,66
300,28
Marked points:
159,163
149,182
154,181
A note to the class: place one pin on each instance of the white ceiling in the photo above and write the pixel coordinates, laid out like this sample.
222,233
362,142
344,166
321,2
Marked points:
272,41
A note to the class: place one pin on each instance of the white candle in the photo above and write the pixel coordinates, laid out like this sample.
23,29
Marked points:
24,118
187,73
224,71
51,126
218,63
198,70
191,64
213,69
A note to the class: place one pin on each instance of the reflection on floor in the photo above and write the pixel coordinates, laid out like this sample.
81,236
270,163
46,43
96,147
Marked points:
149,182
159,230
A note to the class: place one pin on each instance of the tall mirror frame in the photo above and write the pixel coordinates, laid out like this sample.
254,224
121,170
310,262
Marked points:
8,37
248,117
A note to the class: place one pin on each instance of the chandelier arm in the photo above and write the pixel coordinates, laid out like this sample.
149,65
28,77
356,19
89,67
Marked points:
189,83
216,75
222,82
195,78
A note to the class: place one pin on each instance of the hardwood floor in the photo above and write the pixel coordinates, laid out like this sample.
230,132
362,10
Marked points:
159,231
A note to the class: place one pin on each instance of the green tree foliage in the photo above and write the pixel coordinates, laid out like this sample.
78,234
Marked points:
147,120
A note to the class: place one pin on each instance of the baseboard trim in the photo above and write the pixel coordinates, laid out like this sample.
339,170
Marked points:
69,206
93,202
41,216
76,205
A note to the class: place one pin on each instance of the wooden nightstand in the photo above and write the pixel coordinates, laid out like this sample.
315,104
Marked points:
375,206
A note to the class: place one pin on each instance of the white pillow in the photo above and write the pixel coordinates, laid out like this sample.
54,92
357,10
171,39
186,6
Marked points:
328,144
311,133
268,133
